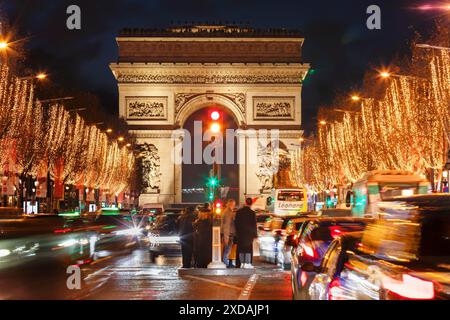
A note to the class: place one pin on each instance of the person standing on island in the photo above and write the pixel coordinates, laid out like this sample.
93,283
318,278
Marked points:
186,234
228,231
245,223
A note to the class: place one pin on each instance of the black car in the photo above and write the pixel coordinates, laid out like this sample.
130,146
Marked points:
310,245
163,236
405,254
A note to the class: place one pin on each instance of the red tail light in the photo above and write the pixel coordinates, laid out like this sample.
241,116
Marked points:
335,232
410,287
62,230
308,250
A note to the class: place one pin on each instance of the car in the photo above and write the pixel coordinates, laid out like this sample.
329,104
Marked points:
326,283
272,236
404,254
310,244
163,236
261,218
41,237
116,232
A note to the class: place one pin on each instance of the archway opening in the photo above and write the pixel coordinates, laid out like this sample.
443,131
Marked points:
195,175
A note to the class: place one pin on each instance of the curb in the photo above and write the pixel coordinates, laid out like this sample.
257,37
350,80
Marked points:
215,272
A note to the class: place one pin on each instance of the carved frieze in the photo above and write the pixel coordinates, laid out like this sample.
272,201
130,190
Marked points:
146,108
273,108
163,77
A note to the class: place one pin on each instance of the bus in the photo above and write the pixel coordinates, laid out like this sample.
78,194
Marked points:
383,185
286,202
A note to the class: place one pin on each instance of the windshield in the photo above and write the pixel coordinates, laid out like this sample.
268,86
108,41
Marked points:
166,223
390,190
290,195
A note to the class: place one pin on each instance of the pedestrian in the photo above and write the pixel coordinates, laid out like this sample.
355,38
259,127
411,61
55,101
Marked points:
245,224
203,239
186,234
228,232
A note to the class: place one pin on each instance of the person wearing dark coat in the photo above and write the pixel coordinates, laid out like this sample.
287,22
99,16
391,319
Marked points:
203,240
245,224
186,234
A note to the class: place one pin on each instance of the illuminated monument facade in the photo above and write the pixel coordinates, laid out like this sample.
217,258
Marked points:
166,75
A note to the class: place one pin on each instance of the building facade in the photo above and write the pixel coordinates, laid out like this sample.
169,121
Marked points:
164,76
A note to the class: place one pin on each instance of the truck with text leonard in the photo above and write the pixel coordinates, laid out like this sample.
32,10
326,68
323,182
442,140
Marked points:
383,185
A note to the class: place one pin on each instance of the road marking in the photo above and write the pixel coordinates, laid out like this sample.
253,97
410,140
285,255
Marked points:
93,274
101,259
246,292
215,282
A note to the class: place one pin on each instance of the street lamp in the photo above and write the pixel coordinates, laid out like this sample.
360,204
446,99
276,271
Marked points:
121,139
3,45
41,76
322,122
385,74
355,97
109,130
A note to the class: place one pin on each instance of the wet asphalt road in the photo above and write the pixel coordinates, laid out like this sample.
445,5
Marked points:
131,275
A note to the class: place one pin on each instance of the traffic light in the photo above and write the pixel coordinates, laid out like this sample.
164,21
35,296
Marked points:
218,207
216,117
213,181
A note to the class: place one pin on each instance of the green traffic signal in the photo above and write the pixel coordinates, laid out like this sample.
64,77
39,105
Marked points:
213,181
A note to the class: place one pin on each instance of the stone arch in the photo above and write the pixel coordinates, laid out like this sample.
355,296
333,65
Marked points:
206,100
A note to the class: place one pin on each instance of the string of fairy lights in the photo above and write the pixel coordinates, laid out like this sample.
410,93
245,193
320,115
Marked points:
33,137
407,129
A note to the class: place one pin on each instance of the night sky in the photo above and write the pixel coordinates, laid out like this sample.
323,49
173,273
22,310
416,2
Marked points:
338,45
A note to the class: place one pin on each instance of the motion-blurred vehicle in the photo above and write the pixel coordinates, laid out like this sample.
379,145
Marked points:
326,283
272,235
44,237
163,236
336,212
405,254
383,185
116,232
261,218
310,244
154,209
287,201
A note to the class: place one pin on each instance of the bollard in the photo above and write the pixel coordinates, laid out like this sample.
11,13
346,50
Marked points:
216,262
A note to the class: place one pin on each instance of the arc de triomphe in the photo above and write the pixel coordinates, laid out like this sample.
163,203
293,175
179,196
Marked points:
165,75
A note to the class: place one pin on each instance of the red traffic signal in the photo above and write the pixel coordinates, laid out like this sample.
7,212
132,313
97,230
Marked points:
214,115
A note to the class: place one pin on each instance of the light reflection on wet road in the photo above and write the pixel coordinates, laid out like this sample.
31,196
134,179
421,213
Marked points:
131,275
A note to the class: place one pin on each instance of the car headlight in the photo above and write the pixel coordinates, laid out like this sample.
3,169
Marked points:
4,252
129,232
163,239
